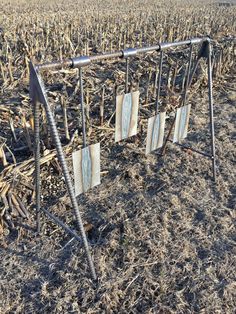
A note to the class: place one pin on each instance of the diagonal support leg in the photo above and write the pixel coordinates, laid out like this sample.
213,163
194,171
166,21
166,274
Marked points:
37,161
38,94
61,158
211,112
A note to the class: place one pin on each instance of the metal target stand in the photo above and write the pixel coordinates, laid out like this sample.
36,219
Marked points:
39,97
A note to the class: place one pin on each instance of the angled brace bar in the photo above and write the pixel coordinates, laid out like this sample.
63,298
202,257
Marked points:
38,95
192,149
202,53
61,224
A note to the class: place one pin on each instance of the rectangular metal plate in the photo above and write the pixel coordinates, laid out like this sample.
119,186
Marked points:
37,88
181,123
155,133
86,165
126,115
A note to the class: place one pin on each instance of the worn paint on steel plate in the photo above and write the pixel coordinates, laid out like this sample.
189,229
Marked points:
155,133
86,165
126,115
181,123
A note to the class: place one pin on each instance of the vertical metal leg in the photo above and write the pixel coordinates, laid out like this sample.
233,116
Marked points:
37,162
210,95
61,158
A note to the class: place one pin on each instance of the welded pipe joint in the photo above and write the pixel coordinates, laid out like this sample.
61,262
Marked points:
80,62
129,52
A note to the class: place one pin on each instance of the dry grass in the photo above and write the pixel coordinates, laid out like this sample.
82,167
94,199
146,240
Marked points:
162,234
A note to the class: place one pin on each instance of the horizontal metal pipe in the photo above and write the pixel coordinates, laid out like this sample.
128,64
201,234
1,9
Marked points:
176,44
148,49
55,65
120,54
109,55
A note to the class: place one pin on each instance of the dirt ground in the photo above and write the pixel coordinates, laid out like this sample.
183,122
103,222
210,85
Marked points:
162,233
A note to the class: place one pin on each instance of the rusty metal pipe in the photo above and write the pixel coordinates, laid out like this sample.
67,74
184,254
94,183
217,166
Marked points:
118,54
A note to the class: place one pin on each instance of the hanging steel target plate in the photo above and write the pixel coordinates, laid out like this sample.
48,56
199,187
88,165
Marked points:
126,115
181,123
86,166
155,133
